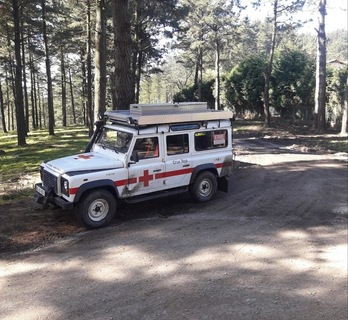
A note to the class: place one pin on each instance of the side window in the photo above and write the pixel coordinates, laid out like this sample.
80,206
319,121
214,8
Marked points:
210,140
177,144
147,148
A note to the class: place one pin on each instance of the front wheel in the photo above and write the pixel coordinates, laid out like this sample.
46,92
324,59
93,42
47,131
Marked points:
96,209
204,188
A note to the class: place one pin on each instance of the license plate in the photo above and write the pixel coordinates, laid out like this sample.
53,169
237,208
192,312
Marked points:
40,190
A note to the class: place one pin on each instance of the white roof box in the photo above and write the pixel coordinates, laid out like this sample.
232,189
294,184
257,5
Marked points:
167,108
150,114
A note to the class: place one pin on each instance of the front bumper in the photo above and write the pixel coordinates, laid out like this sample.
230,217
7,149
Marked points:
45,197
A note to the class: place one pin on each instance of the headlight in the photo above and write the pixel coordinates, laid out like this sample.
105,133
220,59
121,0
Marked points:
65,186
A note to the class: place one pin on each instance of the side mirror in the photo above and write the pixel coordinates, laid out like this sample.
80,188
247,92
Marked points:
134,157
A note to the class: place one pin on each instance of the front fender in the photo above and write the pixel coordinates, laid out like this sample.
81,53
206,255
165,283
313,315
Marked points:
95,185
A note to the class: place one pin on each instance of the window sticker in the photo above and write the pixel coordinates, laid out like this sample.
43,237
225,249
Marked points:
219,139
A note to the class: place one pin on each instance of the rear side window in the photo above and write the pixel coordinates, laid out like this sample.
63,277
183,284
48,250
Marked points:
177,144
208,140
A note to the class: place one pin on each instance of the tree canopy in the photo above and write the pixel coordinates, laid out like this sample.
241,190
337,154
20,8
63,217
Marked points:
65,62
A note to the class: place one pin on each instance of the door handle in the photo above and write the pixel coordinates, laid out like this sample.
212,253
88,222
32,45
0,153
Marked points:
186,165
157,170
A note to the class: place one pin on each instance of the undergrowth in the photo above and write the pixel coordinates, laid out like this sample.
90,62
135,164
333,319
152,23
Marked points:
19,164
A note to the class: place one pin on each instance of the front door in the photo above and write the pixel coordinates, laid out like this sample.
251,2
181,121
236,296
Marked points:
147,174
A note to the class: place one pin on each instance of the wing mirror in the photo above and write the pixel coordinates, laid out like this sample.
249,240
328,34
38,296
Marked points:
134,157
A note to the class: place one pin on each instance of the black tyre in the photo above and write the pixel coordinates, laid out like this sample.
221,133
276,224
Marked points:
96,209
204,188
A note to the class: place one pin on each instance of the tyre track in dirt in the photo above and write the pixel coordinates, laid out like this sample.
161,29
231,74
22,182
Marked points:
274,247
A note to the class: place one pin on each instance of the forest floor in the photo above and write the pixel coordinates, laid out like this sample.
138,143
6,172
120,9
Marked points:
274,247
24,225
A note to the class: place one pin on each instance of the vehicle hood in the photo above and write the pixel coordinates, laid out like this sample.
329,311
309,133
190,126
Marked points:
83,162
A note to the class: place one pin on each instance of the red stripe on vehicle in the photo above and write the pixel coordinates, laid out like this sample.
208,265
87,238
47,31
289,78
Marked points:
173,173
125,182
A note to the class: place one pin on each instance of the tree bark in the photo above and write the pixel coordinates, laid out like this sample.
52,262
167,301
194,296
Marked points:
26,100
63,86
268,69
51,120
90,115
20,118
40,104
124,92
84,86
137,52
2,109
320,88
100,60
32,93
344,128
200,70
8,103
72,99
35,115
217,75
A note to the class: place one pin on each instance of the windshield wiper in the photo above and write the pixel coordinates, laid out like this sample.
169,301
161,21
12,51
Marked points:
113,148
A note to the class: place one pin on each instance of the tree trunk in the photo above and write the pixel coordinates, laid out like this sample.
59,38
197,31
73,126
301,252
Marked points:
200,74
72,98
90,115
2,109
63,85
8,100
84,86
138,75
124,91
137,53
20,118
35,103
32,93
13,89
344,128
268,69
217,75
100,60
320,87
113,89
48,73
39,105
10,82
26,100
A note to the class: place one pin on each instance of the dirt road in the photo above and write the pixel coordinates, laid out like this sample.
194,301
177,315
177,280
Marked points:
275,247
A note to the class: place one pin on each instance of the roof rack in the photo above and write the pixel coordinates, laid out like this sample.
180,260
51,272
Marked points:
149,114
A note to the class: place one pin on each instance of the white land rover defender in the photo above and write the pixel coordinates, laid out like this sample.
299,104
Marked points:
139,154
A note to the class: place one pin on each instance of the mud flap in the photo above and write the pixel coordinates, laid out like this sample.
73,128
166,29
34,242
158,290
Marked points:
223,184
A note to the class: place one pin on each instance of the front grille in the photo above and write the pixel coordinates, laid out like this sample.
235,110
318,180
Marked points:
49,181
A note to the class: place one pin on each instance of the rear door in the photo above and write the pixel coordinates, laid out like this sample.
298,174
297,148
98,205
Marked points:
178,162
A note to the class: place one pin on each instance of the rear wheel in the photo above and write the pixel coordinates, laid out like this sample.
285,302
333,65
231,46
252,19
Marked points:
204,188
96,209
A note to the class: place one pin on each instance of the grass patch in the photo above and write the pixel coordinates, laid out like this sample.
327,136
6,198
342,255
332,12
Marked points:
18,161
337,143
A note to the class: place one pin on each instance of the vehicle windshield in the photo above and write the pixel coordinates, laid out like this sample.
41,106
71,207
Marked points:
118,141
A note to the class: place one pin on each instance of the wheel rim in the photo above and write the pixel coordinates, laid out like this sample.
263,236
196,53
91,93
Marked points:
205,188
98,209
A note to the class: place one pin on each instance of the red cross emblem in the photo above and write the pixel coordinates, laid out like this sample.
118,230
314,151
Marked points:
84,156
146,178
